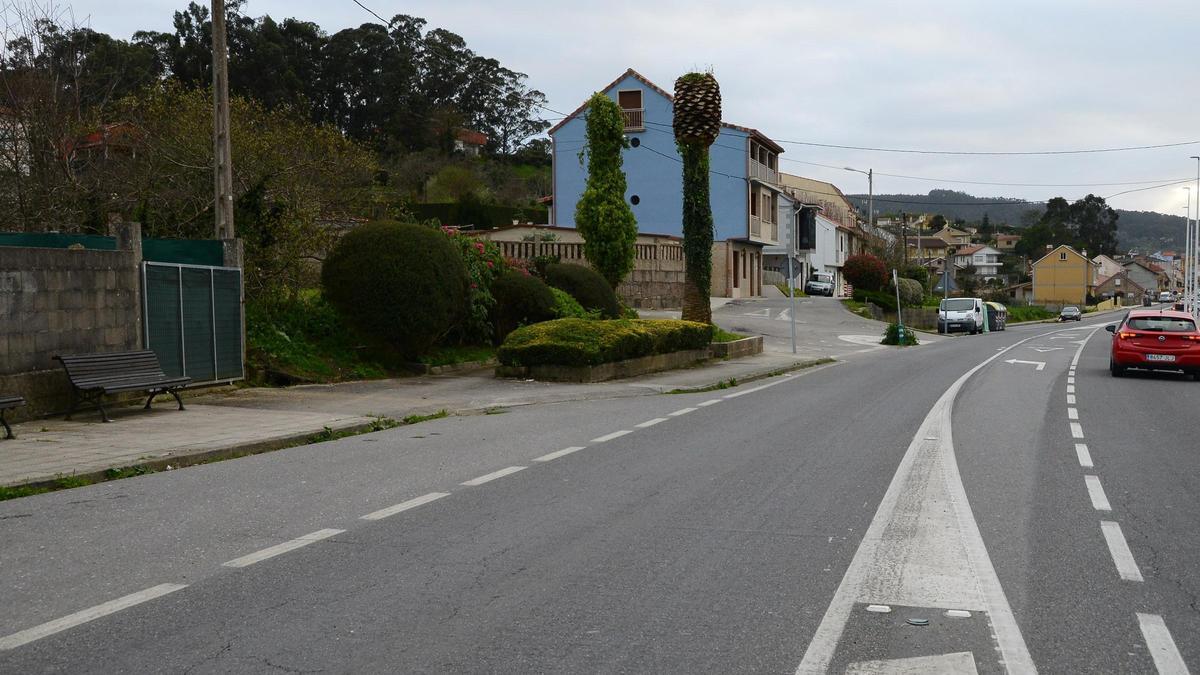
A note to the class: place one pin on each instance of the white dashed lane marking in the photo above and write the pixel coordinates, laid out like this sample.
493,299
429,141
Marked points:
559,453
1096,493
1072,413
1085,457
279,549
684,411
1070,399
92,613
1076,430
608,437
1119,548
1167,658
494,475
404,506
709,402
649,423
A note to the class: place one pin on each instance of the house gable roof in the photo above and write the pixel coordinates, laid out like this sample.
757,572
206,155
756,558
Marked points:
758,135
1057,249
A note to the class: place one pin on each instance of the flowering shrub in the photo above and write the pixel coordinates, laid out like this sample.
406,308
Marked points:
865,271
484,264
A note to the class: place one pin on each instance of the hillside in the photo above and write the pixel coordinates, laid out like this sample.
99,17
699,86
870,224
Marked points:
1143,230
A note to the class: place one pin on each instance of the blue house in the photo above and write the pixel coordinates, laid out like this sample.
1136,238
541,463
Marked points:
747,199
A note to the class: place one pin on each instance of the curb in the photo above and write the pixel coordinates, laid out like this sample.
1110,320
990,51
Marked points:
201,457
760,375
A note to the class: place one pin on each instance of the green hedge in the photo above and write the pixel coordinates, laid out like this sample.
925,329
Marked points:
520,300
583,342
585,285
482,216
882,299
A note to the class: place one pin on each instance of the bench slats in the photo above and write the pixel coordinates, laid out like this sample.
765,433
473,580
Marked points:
11,401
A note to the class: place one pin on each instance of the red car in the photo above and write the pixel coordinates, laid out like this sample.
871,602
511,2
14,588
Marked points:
1155,340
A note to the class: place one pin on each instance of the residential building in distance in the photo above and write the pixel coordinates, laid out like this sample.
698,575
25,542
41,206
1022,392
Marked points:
1147,274
1007,242
1120,288
985,259
837,234
745,192
953,236
1107,267
468,142
926,248
1063,277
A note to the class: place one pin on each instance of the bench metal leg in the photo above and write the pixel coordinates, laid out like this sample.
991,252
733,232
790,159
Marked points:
103,415
153,393
177,398
74,404
8,432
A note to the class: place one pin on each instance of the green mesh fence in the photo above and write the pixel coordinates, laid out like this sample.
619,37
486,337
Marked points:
194,320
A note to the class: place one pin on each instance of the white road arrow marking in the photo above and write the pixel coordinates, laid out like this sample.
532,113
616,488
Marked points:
785,315
1041,365
763,313
1043,350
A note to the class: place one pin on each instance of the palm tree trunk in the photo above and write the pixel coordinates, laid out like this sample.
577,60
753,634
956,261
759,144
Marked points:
697,233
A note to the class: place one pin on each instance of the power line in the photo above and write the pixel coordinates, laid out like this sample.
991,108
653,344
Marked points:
976,152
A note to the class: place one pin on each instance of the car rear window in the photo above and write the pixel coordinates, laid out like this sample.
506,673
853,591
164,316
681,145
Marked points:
1166,324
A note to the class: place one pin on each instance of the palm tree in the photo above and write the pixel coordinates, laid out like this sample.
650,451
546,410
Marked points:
697,121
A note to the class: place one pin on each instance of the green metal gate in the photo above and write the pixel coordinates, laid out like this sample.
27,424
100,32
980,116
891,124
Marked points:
193,320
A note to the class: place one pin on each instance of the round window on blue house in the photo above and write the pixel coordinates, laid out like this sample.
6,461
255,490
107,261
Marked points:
635,142
635,200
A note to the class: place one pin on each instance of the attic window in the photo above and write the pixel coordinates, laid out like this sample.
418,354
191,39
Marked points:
1062,255
630,101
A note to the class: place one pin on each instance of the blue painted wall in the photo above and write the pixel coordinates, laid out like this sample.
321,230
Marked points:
656,179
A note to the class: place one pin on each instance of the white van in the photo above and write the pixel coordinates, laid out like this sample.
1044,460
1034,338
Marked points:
960,314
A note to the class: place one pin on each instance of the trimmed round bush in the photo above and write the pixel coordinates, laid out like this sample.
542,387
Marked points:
585,285
401,284
580,342
911,292
520,301
567,307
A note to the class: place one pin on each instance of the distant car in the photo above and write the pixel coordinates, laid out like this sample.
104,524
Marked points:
820,283
1155,340
1166,296
1070,314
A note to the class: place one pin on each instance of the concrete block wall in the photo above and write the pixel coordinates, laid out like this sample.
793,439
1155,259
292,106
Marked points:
63,301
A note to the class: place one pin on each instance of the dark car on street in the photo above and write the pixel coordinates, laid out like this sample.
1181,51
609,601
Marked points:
1155,340
1070,314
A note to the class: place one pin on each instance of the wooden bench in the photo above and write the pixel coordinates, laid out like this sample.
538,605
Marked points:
8,402
94,375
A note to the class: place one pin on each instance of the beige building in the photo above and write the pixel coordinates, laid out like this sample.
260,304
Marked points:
953,236
1063,276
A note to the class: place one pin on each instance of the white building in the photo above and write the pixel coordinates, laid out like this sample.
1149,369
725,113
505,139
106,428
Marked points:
985,259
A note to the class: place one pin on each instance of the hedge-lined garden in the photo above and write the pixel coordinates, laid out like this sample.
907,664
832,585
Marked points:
393,294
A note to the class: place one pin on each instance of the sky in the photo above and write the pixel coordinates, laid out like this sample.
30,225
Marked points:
965,75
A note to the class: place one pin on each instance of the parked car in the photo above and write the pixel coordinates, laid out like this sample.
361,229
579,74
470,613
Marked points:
1070,314
960,314
820,283
1158,340
1166,296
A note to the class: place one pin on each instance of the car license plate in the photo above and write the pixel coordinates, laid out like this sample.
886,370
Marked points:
1160,357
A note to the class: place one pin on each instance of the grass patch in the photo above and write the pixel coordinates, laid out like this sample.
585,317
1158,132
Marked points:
783,288
723,384
417,419
1032,313
447,356
856,307
581,342
722,335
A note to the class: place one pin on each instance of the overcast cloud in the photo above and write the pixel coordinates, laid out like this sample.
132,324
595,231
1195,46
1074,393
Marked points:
996,75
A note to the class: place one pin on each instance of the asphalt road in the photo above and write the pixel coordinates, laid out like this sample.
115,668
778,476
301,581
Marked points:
754,529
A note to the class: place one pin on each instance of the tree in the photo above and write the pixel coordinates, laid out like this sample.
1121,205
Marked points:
937,223
967,279
697,122
865,271
603,218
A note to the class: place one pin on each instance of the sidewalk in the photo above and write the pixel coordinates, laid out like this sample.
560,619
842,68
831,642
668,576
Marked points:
255,420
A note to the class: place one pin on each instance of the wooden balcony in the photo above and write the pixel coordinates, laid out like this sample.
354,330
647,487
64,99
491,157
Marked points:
635,119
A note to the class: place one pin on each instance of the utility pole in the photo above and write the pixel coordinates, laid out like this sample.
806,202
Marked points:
1191,281
222,159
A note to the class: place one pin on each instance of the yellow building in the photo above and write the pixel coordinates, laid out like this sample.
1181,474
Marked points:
1063,276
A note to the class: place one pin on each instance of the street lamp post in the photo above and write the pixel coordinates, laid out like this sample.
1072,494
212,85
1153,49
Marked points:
1188,244
870,174
1192,282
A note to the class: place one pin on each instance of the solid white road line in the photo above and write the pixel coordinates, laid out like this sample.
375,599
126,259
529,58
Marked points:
650,423
709,402
1096,492
1070,399
684,411
81,617
1085,457
609,437
1072,413
1167,658
559,453
887,568
760,387
1076,430
278,549
493,476
404,506
1119,548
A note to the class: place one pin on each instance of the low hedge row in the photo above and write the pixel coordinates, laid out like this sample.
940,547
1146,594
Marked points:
583,342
